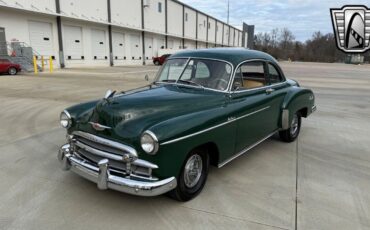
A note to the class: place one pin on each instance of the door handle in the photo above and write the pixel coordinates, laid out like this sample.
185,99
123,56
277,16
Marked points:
269,90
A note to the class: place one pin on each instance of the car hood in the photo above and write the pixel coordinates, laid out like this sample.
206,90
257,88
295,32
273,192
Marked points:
131,113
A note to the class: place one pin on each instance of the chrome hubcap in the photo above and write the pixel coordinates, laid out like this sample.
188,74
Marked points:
294,125
12,71
193,170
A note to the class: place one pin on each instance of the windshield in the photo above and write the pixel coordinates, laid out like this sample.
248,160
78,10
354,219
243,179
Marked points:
202,73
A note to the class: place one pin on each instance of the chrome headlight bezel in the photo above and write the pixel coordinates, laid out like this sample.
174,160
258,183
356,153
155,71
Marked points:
65,119
149,142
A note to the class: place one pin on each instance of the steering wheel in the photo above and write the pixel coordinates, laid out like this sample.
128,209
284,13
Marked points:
221,84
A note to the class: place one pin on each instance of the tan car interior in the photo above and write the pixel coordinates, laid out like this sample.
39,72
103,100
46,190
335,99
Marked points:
253,80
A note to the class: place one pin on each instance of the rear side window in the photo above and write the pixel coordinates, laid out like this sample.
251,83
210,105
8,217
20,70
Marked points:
250,75
274,74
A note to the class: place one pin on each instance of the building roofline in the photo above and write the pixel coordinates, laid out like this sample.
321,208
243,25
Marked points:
198,11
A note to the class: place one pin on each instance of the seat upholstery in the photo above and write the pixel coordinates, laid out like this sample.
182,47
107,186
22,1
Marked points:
252,84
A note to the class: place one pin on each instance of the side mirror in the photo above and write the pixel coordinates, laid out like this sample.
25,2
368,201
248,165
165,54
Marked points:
108,93
146,77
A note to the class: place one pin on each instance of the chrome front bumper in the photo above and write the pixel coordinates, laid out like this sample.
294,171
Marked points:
102,177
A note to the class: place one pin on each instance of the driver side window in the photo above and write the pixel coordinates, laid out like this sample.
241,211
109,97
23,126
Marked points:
250,75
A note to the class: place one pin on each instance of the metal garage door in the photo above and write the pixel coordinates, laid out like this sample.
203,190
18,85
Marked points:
161,44
135,47
73,46
148,48
98,44
118,40
170,44
41,37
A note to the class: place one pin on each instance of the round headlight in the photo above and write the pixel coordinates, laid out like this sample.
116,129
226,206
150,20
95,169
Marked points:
149,142
65,119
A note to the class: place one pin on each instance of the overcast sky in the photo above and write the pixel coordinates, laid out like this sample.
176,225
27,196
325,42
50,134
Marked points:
301,17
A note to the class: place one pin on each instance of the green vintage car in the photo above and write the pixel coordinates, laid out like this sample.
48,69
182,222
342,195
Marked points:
205,107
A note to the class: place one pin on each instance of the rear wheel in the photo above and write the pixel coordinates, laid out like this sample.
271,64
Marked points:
193,176
12,71
156,63
292,133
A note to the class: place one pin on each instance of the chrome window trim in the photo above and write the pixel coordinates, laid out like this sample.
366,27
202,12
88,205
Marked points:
214,127
201,58
277,67
257,88
245,150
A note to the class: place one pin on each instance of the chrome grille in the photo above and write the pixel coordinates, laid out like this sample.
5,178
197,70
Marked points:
100,147
94,149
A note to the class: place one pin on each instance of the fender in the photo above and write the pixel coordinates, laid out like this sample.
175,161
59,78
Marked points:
295,100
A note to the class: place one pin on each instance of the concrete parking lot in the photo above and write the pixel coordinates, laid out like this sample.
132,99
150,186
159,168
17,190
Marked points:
321,181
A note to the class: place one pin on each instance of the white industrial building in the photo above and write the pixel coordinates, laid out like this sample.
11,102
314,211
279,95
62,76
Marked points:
110,32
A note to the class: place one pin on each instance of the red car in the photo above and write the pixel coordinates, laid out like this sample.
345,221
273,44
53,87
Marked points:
9,67
160,60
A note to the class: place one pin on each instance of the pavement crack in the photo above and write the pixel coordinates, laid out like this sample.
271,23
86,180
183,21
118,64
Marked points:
234,218
296,187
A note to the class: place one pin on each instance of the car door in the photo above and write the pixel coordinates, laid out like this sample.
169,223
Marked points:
252,102
3,66
278,89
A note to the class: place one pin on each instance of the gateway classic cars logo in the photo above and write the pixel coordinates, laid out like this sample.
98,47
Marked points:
352,28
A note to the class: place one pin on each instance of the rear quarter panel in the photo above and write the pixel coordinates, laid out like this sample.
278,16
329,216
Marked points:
298,98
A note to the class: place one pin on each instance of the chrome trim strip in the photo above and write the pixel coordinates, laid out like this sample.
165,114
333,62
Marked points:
98,152
245,150
144,164
264,87
213,127
107,142
98,126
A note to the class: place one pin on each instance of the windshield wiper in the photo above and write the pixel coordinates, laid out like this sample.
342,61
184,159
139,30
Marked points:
190,82
166,80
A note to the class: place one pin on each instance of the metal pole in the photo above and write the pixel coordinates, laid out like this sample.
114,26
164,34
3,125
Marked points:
143,33
228,11
60,35
111,63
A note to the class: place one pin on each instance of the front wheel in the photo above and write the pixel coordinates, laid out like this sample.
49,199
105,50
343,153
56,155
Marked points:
292,133
193,176
12,71
156,63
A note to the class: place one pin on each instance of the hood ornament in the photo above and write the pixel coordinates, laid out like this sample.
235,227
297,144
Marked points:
99,127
